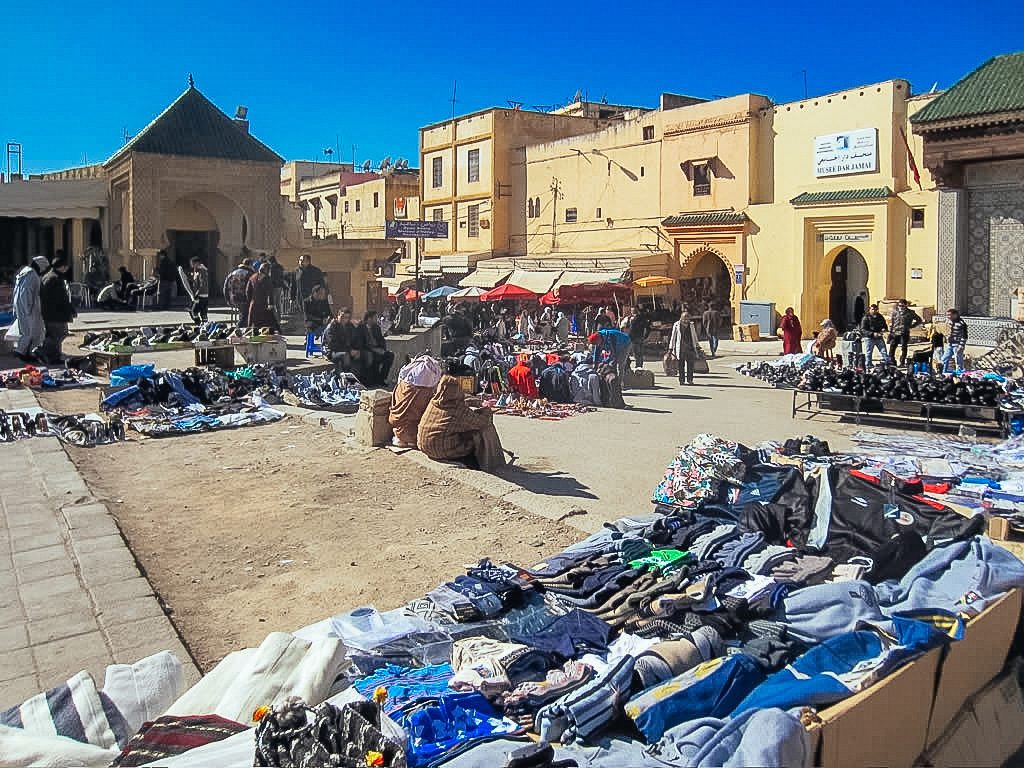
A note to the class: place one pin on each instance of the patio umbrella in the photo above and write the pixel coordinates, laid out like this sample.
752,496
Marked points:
652,281
508,291
440,293
549,299
412,294
468,294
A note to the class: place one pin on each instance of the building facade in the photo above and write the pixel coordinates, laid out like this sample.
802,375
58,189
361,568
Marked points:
973,136
473,175
806,204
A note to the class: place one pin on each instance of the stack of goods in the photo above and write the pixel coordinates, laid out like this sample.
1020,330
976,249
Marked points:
766,585
784,372
83,430
540,408
149,337
41,377
326,391
170,402
896,384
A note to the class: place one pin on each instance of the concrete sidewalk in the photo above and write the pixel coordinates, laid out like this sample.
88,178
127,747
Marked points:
71,594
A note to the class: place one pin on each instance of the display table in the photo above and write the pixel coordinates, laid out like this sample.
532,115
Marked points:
916,411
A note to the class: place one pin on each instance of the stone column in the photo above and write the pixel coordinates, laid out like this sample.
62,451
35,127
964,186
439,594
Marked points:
952,247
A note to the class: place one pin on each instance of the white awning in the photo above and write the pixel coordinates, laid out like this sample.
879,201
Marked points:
484,278
72,199
430,266
570,277
539,282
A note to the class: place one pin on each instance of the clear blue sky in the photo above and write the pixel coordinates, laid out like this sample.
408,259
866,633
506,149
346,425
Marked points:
74,74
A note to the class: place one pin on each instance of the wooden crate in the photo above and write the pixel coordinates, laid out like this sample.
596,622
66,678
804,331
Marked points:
749,332
106,362
222,356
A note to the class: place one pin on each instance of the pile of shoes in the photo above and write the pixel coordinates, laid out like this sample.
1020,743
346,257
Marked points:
78,429
896,384
147,336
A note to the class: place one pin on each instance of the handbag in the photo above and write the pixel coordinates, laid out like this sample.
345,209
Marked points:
670,364
700,362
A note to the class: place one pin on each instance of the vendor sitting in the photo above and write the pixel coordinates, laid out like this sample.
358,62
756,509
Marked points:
341,343
826,340
316,310
451,430
521,379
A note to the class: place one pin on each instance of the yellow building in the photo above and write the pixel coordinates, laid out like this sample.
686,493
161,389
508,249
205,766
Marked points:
805,204
474,176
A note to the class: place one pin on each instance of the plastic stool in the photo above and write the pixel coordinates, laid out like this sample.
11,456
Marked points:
312,348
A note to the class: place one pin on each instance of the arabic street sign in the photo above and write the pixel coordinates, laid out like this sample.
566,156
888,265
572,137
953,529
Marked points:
408,228
838,154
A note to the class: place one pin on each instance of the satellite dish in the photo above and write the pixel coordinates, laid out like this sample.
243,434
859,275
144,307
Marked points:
402,163
385,163
366,166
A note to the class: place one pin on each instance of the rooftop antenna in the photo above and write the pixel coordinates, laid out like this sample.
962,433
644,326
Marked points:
805,83
935,86
455,88
191,82
125,136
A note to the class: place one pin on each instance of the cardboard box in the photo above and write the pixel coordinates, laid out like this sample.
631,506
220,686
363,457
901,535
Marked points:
970,664
749,332
886,725
987,731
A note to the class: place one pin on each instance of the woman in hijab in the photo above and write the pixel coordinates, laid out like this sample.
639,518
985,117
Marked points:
791,332
417,382
260,292
826,341
451,430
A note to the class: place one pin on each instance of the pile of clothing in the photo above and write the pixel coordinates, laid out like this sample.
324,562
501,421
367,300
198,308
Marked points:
41,377
169,402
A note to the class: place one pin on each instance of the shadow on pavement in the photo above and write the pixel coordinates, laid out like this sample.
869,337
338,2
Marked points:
674,396
548,483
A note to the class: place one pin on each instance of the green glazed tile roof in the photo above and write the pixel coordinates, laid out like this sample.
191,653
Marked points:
703,219
842,196
192,126
996,86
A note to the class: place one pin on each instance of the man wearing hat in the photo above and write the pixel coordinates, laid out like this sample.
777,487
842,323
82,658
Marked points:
28,325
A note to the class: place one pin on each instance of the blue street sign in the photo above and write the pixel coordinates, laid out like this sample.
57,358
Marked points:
408,228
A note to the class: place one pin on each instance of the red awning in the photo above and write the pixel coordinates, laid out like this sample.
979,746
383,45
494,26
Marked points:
508,292
592,293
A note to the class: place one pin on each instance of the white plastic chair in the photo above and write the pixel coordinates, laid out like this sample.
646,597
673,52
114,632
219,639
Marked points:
80,295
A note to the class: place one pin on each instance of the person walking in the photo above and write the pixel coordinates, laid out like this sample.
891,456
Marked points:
403,315
57,309
792,332
167,274
710,319
873,328
28,326
956,341
199,284
683,343
638,328
902,320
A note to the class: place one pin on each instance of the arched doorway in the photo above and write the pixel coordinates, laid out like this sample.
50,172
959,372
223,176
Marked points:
707,281
210,226
849,279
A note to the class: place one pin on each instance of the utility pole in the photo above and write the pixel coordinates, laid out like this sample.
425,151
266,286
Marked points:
556,193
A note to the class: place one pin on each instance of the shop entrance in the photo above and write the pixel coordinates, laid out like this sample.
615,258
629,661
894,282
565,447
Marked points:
709,281
184,244
849,279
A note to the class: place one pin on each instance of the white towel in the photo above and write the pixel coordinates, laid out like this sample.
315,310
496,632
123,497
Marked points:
143,690
19,748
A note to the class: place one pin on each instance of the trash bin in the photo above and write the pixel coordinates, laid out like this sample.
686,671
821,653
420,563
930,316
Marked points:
760,312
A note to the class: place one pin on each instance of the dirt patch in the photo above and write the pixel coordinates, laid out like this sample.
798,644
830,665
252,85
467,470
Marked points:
266,528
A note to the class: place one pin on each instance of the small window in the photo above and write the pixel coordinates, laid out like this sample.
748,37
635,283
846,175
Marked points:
376,199
334,206
473,165
648,132
641,171
529,207
473,226
357,206
597,214
439,214
570,215
346,206
701,179
436,167
536,206
917,218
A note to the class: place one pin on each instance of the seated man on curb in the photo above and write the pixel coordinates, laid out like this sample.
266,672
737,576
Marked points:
341,341
377,359
316,311
451,430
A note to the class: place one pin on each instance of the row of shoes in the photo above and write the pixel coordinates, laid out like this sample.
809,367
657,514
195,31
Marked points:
148,336
897,384
75,430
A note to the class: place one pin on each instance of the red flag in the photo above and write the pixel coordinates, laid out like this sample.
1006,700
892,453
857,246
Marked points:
910,158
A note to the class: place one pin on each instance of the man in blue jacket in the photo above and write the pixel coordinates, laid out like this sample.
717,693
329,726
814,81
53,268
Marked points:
610,347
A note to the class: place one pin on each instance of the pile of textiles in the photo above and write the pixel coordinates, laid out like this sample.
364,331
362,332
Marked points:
773,583
328,390
539,408
82,430
170,402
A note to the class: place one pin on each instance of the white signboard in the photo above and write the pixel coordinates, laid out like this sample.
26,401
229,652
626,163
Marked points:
838,154
844,237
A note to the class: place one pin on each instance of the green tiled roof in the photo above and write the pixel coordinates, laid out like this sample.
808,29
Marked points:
703,219
996,86
842,196
192,126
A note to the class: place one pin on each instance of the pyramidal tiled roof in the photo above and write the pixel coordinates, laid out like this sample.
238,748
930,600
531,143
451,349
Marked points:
193,126
994,87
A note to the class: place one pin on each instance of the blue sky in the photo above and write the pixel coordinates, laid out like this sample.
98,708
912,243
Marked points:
75,75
